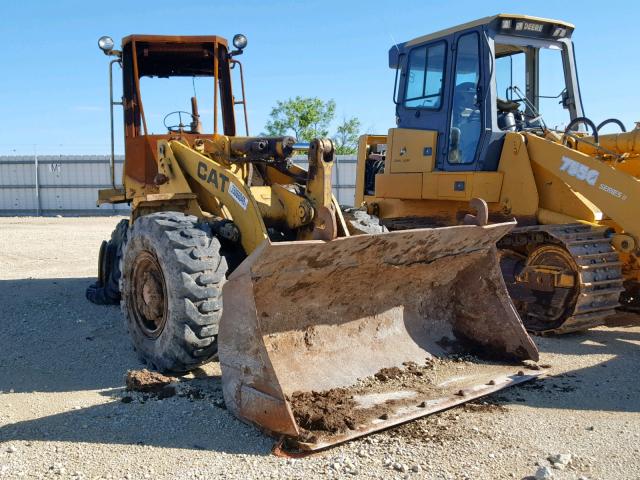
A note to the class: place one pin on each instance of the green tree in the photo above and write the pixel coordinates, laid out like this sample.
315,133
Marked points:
307,118
346,137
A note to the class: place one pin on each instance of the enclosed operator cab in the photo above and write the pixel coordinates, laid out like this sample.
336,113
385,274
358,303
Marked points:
457,93
489,124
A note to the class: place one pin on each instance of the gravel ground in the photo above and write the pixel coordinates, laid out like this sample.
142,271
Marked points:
62,371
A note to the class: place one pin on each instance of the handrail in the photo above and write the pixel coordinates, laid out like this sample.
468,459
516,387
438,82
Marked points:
111,105
242,102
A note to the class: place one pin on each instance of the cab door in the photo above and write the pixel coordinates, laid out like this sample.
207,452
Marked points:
466,121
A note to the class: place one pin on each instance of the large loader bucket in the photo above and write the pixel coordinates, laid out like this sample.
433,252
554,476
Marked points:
326,341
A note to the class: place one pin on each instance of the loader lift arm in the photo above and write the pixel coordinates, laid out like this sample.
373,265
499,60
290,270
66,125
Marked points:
612,190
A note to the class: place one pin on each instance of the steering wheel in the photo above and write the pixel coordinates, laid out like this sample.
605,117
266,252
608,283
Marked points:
180,127
577,121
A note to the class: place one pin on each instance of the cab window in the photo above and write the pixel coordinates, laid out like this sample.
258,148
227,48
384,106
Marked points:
531,85
552,85
510,73
465,112
425,77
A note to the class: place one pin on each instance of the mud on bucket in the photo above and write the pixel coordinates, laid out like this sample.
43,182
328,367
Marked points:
327,341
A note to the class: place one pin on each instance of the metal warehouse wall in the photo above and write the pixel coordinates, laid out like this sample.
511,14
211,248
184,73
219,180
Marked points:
343,177
59,184
68,184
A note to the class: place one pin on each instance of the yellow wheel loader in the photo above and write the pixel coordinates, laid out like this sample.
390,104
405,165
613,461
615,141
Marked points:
492,110
233,250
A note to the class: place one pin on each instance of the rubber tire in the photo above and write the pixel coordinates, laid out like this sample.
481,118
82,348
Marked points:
106,290
360,222
194,272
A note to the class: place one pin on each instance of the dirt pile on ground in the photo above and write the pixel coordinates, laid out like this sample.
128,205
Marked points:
154,383
336,411
330,411
395,373
386,374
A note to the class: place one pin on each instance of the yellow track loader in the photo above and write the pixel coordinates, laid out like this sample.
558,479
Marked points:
492,109
233,250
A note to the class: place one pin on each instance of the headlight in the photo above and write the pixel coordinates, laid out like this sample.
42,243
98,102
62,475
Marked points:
106,44
239,41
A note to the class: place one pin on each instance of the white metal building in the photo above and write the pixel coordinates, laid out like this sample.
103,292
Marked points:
68,184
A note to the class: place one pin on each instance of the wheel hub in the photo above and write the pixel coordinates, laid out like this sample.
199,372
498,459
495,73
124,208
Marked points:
150,296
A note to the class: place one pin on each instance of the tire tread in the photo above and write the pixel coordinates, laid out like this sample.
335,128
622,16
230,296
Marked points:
194,271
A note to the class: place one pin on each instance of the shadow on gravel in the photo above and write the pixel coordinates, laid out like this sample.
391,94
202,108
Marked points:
54,340
607,386
192,425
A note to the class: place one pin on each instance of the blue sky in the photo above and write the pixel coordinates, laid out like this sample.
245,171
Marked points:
53,79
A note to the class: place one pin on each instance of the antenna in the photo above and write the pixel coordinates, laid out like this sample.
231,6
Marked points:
393,40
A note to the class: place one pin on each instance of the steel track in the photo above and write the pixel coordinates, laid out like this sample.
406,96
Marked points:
599,270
